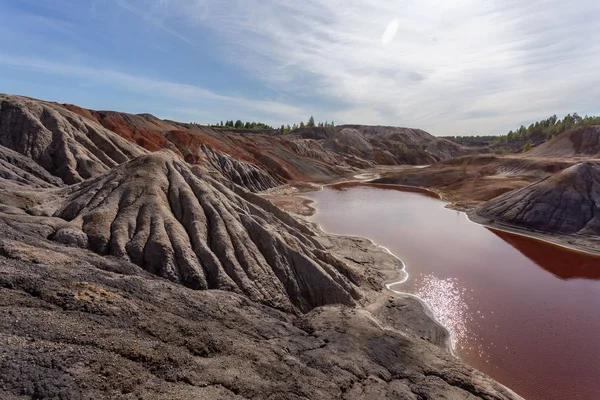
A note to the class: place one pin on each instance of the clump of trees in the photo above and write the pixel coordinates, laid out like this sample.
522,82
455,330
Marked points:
285,129
544,130
239,124
524,138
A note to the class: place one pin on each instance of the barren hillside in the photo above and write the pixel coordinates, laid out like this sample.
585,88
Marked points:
65,144
582,141
567,202
384,145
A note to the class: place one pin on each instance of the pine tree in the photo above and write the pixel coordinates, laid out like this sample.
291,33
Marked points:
302,124
311,122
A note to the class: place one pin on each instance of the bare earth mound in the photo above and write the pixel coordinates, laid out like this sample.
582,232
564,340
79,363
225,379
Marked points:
179,223
384,145
65,144
582,141
566,203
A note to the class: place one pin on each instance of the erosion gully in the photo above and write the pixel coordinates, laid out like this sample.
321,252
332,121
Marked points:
521,310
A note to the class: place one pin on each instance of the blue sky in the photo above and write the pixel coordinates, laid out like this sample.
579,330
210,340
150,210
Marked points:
461,67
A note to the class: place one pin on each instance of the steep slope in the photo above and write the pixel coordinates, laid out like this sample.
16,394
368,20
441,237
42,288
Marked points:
179,223
23,171
384,145
255,161
565,203
145,130
65,144
582,141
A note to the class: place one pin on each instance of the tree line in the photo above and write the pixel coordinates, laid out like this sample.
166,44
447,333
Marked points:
239,124
283,130
523,138
545,129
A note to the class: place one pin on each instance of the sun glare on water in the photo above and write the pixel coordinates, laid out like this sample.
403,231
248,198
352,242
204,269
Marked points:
447,300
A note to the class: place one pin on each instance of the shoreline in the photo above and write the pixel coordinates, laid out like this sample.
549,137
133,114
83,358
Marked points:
403,274
402,271
450,343
548,238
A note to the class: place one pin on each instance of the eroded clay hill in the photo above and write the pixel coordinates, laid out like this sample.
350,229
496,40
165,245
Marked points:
566,203
255,161
179,223
582,141
384,145
65,144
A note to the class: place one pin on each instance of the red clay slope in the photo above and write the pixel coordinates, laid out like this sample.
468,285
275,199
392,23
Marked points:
282,157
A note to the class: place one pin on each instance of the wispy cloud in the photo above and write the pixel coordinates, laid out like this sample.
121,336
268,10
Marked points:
154,18
459,67
174,95
452,67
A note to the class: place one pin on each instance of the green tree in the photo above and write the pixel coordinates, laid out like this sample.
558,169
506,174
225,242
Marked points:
239,124
302,124
311,122
527,146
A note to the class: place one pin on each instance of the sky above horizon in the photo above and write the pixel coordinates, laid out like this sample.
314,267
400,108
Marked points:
464,67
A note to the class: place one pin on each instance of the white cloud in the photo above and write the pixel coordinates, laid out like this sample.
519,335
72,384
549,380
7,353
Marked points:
464,66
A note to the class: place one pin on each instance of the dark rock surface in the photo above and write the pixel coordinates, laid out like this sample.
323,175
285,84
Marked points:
70,329
567,203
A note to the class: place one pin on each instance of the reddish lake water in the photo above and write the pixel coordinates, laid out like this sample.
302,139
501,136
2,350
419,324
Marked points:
525,312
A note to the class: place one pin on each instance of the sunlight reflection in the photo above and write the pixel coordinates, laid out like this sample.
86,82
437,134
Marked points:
390,32
448,301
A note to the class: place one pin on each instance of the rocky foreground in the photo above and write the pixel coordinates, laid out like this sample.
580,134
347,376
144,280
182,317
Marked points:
131,274
277,315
